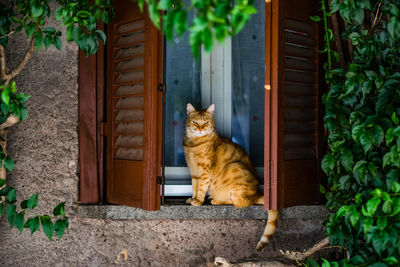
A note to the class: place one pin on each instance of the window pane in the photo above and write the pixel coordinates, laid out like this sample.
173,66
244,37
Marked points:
248,59
183,86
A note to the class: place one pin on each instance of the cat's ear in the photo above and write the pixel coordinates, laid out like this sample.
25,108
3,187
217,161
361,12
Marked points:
211,109
189,108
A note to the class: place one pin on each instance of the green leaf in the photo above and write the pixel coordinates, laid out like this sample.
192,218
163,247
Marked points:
381,222
359,17
38,40
389,136
102,36
315,18
30,29
9,163
356,132
391,260
325,263
59,13
59,209
34,224
60,226
19,221
368,224
387,207
57,43
396,206
47,226
24,204
33,201
395,187
37,10
372,205
328,163
395,119
12,195
11,213
2,182
346,158
69,32
4,191
378,134
5,96
354,217
366,140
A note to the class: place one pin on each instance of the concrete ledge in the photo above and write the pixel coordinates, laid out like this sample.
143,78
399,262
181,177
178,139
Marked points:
206,212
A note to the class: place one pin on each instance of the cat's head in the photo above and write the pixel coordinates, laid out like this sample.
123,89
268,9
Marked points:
199,122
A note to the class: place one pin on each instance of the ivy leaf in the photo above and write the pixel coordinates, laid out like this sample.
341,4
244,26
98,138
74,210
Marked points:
33,201
391,260
59,209
387,206
9,163
381,222
346,158
19,221
11,213
372,205
12,196
37,10
2,182
366,140
34,224
396,206
47,225
328,163
24,204
378,134
395,187
60,226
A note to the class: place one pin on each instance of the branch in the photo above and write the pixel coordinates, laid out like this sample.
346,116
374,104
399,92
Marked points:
11,120
2,63
23,63
377,18
338,39
300,256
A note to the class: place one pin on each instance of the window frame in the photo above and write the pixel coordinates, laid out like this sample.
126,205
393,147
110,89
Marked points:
93,130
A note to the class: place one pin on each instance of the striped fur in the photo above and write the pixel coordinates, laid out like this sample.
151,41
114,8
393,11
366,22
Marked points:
221,168
270,228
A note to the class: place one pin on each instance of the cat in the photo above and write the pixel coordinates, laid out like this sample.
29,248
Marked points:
221,167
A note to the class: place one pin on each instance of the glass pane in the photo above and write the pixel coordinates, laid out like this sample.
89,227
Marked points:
248,59
183,86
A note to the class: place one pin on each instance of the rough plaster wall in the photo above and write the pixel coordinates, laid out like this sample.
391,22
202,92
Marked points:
45,148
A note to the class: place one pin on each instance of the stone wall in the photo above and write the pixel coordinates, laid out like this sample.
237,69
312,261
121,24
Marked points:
45,148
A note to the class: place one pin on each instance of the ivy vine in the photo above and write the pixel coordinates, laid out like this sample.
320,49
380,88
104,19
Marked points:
362,110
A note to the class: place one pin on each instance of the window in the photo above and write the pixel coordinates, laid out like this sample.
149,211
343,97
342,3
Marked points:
269,97
232,78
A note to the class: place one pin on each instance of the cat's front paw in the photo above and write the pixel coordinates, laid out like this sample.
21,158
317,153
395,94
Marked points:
195,202
189,200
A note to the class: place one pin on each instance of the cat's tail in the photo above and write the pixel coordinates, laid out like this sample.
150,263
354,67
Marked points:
270,228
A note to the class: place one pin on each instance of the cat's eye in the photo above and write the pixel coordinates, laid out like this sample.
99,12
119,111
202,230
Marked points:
206,123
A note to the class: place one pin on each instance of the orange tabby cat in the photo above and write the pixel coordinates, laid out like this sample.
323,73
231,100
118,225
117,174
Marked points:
221,168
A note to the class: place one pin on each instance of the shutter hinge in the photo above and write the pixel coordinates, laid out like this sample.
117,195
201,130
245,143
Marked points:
161,180
161,87
103,129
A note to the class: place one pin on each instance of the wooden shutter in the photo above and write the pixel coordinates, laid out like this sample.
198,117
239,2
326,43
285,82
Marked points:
292,114
133,116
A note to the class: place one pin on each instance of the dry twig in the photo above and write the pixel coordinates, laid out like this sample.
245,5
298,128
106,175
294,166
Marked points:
301,256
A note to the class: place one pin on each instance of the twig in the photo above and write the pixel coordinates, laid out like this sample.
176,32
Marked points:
338,39
300,256
7,35
377,18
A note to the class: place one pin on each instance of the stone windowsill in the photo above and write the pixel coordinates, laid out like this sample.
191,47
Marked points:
206,212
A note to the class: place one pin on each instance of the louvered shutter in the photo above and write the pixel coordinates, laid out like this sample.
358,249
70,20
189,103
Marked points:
293,129
133,111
